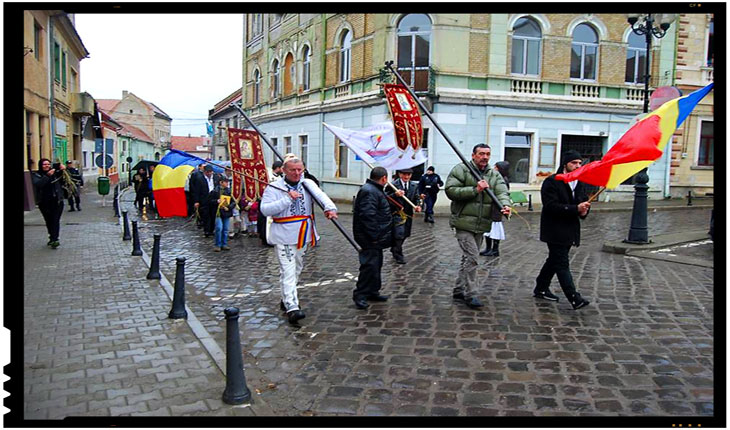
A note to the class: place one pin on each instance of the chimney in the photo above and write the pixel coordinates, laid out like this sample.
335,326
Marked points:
124,93
188,134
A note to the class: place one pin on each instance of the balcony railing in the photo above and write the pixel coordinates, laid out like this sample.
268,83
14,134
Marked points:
588,91
342,90
525,87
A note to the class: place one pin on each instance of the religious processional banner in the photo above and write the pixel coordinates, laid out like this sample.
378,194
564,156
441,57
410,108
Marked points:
405,115
247,157
376,145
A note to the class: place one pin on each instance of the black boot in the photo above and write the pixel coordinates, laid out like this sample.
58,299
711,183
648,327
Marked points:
488,247
495,249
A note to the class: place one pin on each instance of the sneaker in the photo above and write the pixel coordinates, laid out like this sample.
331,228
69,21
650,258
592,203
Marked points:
579,302
216,249
474,303
55,244
295,316
225,248
458,296
547,295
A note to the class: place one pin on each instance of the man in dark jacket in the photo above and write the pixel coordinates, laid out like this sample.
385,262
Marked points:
201,186
563,205
49,195
401,225
428,188
141,188
78,180
372,225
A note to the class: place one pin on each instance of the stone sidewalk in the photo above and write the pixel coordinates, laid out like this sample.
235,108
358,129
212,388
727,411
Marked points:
97,338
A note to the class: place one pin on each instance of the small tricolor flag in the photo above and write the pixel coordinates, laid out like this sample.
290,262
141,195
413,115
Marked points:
640,146
168,182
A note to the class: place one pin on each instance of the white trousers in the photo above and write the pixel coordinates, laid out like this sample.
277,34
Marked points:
291,262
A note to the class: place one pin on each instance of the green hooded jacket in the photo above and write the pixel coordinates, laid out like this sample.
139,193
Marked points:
471,211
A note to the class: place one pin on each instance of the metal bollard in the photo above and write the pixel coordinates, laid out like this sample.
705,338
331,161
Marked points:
154,272
116,200
136,249
529,202
236,391
689,198
178,297
126,235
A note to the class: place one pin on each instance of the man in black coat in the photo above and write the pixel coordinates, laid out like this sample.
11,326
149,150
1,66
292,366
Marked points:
563,205
372,228
78,180
428,187
200,188
402,226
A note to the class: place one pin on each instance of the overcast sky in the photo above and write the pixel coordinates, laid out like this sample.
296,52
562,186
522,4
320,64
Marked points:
183,63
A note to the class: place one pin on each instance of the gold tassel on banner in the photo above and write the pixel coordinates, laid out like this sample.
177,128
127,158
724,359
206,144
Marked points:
144,209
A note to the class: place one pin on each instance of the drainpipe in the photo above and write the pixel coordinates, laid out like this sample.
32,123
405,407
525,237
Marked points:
323,69
50,84
668,171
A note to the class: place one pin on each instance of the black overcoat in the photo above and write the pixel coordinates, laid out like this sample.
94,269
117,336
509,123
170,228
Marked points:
414,196
559,220
372,222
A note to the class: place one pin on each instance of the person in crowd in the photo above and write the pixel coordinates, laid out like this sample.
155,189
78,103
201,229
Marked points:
372,227
308,175
496,233
293,229
251,217
196,183
78,180
151,194
403,220
141,187
200,199
220,204
428,188
563,206
471,216
47,182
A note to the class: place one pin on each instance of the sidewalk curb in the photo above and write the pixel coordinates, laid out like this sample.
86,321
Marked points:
257,405
659,242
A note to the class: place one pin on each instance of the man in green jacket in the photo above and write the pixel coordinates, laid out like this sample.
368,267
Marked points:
471,216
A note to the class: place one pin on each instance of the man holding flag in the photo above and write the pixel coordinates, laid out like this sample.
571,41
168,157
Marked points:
563,204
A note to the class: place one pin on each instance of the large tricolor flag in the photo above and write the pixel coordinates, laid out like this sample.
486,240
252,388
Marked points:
640,146
168,182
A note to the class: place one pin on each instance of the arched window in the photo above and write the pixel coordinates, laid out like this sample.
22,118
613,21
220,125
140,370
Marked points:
256,87
636,59
275,79
414,36
306,63
584,53
526,38
289,73
345,56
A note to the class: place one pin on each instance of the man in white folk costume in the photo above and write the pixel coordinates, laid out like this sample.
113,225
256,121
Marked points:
293,231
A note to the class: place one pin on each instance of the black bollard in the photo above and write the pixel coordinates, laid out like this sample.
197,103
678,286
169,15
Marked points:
154,272
529,202
236,391
136,249
116,200
126,235
178,297
689,198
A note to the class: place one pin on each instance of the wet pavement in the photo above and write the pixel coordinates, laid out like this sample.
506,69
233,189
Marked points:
644,346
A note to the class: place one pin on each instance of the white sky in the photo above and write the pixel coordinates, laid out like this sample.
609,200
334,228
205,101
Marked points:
183,63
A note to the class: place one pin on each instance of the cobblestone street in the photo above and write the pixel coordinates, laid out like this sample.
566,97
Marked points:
644,346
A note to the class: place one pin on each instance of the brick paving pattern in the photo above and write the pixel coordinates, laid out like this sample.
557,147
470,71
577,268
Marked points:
644,347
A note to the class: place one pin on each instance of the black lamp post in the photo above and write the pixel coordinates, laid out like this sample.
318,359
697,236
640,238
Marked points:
645,25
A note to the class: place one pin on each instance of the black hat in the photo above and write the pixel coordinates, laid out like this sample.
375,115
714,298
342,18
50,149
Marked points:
224,178
405,170
431,168
569,156
69,161
208,168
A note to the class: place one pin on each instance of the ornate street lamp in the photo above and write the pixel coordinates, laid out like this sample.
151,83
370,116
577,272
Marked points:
645,25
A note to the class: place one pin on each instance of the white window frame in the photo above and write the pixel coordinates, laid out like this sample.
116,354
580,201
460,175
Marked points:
287,141
583,46
276,72
306,68
534,137
303,155
256,86
637,73
696,157
524,40
345,57
338,144
412,35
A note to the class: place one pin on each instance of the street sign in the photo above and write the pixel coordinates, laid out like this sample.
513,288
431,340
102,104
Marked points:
109,161
109,146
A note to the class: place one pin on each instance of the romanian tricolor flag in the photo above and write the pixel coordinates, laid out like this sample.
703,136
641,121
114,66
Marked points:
640,146
168,182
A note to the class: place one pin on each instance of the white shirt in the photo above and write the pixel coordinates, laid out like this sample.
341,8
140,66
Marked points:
211,185
277,204
572,186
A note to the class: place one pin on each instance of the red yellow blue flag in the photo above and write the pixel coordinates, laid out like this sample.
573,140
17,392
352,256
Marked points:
168,182
640,146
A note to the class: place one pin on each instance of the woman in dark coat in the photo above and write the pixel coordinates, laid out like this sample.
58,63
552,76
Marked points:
47,182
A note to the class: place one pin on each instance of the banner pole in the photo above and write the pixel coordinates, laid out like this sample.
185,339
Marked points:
278,154
477,176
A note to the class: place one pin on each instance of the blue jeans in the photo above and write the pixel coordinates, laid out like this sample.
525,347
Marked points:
221,231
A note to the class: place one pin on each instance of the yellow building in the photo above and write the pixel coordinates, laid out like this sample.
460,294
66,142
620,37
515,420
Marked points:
693,144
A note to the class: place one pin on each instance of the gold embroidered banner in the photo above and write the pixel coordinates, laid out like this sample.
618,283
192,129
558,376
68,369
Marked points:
247,157
406,117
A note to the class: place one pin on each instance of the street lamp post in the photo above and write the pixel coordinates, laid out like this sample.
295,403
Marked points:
644,25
